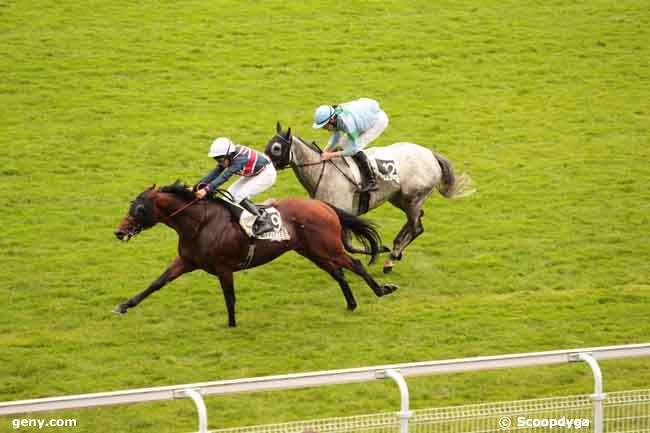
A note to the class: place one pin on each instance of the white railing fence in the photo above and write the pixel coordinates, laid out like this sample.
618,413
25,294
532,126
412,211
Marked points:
627,411
629,408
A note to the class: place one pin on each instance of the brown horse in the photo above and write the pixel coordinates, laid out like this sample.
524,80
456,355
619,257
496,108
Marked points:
210,239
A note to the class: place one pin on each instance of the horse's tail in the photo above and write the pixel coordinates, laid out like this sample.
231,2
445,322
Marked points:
453,186
364,231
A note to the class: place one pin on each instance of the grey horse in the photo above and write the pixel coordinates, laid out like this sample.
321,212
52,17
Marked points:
410,174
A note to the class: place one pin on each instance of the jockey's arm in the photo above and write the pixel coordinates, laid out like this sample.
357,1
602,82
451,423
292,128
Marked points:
350,149
333,141
235,166
212,175
353,144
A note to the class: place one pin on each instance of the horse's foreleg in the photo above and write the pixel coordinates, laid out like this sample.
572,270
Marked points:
228,288
175,270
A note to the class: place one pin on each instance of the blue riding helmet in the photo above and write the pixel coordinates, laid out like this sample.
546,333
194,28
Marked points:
323,115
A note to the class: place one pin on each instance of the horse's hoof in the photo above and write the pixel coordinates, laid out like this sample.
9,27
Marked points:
388,265
384,249
352,307
389,288
120,309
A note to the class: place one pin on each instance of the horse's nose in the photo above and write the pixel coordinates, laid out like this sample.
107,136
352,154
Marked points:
119,234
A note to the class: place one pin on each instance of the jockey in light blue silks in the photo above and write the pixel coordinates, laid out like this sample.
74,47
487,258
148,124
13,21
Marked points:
354,124
256,171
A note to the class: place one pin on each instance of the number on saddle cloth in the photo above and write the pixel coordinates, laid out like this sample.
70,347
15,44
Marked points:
249,221
386,169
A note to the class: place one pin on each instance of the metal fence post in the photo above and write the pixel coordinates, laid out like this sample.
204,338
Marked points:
598,396
195,395
404,414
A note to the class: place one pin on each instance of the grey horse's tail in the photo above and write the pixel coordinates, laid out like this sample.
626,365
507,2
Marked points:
453,186
364,231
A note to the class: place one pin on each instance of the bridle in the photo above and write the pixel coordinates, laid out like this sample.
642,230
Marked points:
142,216
134,230
289,142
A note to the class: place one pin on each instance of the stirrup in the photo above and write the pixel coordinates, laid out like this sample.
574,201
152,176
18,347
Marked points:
261,226
369,187
250,207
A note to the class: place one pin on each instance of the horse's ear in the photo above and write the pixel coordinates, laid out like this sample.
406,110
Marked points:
278,128
289,133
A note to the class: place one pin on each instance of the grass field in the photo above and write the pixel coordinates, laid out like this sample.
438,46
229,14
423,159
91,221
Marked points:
546,104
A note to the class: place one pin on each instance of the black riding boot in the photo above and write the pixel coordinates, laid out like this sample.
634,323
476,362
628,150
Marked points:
368,181
262,224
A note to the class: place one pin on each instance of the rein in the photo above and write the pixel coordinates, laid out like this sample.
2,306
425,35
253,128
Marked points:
289,143
309,164
185,206
295,166
320,176
182,208
345,175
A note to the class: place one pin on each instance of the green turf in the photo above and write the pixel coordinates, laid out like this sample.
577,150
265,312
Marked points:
546,104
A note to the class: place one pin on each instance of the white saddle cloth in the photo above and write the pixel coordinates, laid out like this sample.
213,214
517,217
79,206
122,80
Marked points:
279,232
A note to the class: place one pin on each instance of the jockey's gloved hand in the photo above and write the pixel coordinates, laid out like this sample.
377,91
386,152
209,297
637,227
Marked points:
202,193
199,186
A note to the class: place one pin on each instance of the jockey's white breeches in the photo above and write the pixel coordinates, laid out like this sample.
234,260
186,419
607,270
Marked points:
248,187
370,135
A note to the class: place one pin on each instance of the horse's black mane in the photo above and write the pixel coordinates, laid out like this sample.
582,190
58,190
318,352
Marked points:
179,189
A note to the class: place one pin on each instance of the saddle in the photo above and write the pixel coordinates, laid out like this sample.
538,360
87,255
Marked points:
377,167
248,222
384,168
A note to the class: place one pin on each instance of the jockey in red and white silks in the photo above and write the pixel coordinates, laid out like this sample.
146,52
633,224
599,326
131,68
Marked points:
256,171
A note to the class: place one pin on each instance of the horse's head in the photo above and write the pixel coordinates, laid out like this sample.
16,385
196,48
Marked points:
279,148
141,215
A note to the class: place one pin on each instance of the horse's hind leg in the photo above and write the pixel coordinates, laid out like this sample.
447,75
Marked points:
411,229
345,288
228,288
336,273
357,267
333,266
